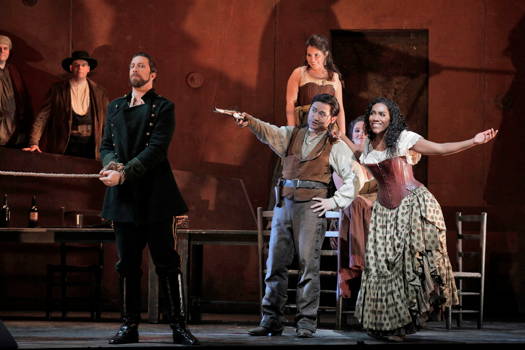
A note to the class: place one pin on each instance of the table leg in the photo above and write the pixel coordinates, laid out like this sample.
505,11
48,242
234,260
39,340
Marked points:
181,245
196,282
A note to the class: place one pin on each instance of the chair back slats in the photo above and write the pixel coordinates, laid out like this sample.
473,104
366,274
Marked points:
469,236
332,214
331,234
468,254
470,218
475,254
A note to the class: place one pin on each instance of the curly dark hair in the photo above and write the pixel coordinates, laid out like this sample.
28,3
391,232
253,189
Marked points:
321,43
397,123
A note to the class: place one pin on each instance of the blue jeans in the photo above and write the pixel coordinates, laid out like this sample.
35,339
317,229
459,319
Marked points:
296,229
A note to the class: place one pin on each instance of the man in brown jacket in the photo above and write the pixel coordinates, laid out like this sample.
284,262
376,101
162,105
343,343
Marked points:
72,117
15,106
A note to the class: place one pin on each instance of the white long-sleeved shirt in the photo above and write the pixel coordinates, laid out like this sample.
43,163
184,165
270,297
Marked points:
340,158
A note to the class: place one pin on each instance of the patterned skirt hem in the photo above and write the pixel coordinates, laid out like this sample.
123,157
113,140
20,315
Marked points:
408,275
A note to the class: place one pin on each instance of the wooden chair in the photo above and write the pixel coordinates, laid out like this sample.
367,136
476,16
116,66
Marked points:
331,302
68,274
470,274
334,217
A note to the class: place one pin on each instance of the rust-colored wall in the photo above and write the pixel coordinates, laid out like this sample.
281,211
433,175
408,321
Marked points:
245,51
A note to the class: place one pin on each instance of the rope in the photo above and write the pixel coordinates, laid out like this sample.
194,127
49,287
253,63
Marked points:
25,173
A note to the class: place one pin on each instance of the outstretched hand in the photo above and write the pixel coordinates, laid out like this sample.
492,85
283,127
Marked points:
323,206
243,121
485,136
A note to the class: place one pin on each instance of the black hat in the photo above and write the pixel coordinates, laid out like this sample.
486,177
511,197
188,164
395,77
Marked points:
79,55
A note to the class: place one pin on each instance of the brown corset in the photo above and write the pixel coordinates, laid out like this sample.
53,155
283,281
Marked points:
396,180
307,92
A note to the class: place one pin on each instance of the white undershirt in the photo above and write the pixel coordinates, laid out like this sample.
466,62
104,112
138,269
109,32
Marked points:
136,99
79,96
407,139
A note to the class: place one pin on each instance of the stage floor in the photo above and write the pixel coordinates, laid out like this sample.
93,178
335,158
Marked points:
37,334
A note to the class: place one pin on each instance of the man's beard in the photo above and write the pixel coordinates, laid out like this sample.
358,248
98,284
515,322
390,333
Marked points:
138,81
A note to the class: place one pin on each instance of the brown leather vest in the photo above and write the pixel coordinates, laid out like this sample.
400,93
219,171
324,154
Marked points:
315,167
396,180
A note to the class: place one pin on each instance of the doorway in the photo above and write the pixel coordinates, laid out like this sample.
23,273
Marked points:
389,63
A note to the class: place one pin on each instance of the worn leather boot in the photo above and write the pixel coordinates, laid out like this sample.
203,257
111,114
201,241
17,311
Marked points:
264,331
130,306
127,333
182,335
171,284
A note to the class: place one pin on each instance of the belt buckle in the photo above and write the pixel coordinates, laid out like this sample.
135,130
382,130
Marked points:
298,182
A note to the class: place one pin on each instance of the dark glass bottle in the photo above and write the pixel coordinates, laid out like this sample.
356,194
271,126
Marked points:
5,213
33,214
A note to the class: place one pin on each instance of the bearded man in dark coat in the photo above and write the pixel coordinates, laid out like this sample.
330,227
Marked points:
142,197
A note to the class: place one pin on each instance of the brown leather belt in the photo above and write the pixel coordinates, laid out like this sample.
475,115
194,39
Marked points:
296,183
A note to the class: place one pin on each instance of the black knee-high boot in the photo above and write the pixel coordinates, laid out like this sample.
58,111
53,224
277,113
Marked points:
171,285
130,308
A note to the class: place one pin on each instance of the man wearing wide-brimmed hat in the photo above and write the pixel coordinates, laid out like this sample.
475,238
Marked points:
15,106
71,119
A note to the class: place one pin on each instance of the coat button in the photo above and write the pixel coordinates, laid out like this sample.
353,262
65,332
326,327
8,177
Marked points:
154,106
147,134
114,145
152,114
147,143
150,124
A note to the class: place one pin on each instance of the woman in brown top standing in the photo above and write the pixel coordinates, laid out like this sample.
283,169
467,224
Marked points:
319,75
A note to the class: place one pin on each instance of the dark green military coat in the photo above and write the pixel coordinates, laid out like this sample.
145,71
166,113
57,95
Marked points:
139,137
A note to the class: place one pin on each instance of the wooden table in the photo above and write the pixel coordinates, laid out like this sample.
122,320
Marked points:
56,234
189,245
46,235
80,235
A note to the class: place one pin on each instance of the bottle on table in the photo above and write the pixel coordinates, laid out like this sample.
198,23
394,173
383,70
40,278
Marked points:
33,214
5,213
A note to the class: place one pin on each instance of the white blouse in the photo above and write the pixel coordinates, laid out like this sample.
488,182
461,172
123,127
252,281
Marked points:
407,139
